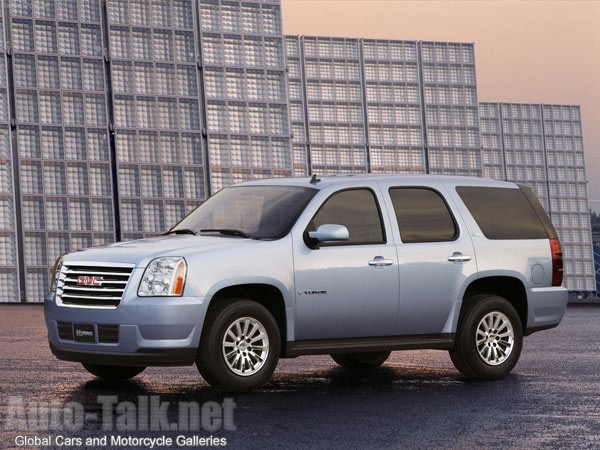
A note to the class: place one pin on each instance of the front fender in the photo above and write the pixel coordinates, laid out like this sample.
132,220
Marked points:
285,290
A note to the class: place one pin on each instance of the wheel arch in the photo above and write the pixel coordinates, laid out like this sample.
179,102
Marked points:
266,295
510,288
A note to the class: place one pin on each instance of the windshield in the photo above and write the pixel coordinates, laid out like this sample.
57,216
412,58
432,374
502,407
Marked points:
257,212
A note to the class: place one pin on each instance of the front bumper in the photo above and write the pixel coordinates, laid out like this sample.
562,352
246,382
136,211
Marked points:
141,358
546,308
151,331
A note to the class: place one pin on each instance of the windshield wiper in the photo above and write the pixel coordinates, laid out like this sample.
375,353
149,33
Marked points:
181,231
227,232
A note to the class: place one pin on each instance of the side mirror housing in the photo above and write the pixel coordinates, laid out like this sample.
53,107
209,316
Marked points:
329,233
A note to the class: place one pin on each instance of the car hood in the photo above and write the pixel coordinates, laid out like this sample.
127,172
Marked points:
140,252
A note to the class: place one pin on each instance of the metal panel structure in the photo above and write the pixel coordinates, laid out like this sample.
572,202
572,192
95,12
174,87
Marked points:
492,145
119,116
335,104
246,101
567,184
393,101
297,96
9,261
524,152
541,146
157,120
597,266
66,196
451,108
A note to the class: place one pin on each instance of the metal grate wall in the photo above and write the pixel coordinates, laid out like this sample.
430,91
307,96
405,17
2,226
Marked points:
296,94
62,134
542,146
495,140
243,61
596,249
9,262
451,108
157,121
492,148
394,114
567,184
118,116
335,103
524,151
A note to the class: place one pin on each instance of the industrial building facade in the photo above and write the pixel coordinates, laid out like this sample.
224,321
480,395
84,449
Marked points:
119,116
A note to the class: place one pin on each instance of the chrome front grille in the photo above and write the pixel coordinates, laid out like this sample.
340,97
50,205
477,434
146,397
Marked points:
97,286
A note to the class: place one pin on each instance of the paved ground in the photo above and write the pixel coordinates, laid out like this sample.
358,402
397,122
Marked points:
417,400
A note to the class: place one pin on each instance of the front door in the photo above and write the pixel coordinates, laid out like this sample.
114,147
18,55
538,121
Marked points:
347,289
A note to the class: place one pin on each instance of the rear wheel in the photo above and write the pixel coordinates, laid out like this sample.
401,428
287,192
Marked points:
240,346
113,373
489,338
368,360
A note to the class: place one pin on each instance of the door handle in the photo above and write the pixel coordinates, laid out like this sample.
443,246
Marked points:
458,257
380,261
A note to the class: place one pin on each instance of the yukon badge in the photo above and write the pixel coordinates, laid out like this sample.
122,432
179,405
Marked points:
312,292
93,281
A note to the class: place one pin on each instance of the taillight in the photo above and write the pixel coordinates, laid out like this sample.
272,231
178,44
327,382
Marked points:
557,262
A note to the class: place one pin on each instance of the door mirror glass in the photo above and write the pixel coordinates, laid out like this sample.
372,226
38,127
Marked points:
330,233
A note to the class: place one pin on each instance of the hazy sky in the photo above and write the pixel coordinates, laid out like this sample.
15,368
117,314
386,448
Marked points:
526,51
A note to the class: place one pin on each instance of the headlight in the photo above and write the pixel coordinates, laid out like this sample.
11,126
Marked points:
164,277
55,273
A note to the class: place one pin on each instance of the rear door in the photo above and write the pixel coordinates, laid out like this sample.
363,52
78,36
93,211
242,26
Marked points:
435,257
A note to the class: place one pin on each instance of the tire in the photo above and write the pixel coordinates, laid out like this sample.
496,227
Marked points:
113,373
246,367
498,351
368,360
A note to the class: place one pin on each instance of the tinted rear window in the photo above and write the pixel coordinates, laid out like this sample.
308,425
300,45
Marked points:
541,212
502,213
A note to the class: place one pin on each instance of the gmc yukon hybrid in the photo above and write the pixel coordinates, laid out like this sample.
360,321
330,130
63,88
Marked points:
352,266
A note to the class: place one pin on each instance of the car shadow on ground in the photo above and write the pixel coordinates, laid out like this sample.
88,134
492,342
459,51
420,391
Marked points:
337,380
328,401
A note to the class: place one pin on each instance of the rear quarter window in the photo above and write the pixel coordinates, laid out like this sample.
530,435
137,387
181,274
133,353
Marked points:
503,213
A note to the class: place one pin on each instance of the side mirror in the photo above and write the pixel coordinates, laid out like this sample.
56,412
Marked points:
330,233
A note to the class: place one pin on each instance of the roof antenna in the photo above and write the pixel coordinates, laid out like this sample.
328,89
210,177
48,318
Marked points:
314,179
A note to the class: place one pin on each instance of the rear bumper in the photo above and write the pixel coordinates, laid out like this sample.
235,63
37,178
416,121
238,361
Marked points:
546,308
151,331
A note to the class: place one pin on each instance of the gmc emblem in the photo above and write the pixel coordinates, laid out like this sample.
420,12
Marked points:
84,280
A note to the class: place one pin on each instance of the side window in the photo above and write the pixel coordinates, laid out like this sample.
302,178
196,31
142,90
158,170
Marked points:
505,213
357,210
422,215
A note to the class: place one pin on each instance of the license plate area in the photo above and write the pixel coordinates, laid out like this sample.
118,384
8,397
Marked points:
84,333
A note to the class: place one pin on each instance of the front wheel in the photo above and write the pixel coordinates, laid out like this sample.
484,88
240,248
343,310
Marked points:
240,346
489,338
113,373
367,360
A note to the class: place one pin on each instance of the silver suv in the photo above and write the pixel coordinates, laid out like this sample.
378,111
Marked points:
352,266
